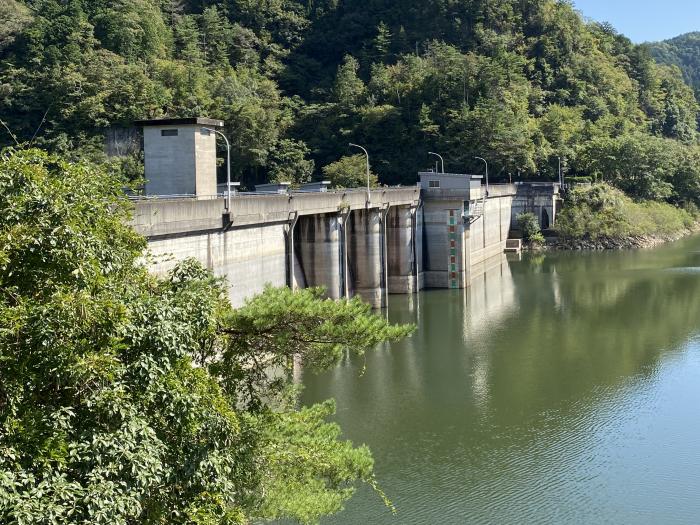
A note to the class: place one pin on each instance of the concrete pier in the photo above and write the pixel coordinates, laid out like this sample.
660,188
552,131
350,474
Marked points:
420,248
366,270
401,229
463,227
318,247
446,243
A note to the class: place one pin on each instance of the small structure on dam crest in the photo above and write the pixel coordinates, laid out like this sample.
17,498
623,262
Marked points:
180,156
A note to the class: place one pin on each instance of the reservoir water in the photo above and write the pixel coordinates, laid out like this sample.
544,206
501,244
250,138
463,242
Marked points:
560,388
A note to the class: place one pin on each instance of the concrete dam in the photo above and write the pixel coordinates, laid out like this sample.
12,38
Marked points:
355,242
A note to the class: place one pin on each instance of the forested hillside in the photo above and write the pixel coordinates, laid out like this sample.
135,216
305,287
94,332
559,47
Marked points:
684,52
519,82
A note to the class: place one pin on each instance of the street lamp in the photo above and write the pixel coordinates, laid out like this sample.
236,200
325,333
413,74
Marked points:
561,181
487,173
228,167
369,194
441,159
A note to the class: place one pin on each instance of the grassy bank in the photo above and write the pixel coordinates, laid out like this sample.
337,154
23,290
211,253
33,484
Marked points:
602,217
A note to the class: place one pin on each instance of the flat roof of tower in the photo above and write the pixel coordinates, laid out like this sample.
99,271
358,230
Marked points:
194,121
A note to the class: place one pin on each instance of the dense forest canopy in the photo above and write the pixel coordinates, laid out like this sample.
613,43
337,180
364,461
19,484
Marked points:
684,52
520,82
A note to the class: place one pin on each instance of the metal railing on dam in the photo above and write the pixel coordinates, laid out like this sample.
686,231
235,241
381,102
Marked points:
172,215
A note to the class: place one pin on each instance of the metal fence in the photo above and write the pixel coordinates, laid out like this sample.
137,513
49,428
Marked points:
239,194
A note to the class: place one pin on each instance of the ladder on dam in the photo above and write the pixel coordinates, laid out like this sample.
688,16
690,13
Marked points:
476,211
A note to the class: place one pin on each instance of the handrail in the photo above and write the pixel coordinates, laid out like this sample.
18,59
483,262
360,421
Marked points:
240,194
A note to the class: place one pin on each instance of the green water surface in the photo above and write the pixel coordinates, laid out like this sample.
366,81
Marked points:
560,388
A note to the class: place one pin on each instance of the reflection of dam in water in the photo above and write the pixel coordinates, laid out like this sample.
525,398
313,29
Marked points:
559,388
491,293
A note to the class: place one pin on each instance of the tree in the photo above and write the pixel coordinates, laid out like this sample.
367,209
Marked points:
519,81
684,52
217,34
134,29
14,17
129,399
188,39
348,87
382,43
172,9
349,172
638,164
289,163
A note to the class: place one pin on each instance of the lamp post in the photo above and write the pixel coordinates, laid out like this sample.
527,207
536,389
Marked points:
442,161
228,167
487,173
369,194
561,178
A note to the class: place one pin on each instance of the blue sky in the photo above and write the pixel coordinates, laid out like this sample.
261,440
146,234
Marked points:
645,20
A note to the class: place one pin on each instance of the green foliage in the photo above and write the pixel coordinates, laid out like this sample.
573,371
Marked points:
348,88
289,163
520,82
14,17
349,172
602,212
645,167
684,52
530,227
129,399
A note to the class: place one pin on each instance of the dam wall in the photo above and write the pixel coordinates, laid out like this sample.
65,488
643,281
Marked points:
350,242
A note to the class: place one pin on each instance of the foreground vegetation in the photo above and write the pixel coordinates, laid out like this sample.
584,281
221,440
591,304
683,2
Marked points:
128,399
601,216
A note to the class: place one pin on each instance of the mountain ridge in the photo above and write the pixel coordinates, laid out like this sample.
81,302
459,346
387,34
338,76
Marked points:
520,82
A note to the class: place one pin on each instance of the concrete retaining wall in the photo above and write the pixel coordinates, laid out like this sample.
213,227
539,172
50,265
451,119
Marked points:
537,198
488,235
248,258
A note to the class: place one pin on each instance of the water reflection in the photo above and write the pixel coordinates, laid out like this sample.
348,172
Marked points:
536,395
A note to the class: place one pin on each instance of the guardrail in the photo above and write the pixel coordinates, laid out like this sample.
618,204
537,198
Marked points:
174,197
239,194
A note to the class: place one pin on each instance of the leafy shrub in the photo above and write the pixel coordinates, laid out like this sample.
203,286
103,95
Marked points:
530,226
129,399
603,212
349,172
